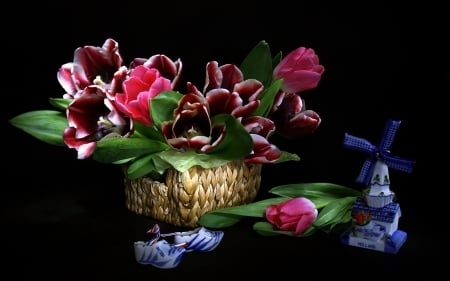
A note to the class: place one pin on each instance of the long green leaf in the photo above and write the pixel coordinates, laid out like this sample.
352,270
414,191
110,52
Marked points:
45,125
267,98
218,220
314,190
267,229
231,215
321,202
254,209
335,212
60,103
277,59
115,149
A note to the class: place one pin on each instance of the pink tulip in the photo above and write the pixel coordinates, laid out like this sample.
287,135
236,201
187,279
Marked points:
300,70
296,214
168,68
143,84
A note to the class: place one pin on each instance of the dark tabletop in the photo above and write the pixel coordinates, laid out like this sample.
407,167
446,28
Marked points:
66,219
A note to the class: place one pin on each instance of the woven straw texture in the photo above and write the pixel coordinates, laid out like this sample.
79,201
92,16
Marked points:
185,197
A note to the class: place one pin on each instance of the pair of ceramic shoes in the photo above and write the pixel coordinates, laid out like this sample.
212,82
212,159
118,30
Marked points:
163,254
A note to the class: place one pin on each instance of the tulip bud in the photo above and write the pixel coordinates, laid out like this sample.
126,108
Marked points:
300,70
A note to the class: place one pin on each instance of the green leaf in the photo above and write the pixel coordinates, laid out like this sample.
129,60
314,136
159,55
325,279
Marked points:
141,167
231,215
315,190
267,229
150,132
311,230
321,202
276,59
267,97
182,161
45,125
287,156
336,212
60,103
116,149
163,105
160,165
253,209
258,64
218,220
339,226
236,144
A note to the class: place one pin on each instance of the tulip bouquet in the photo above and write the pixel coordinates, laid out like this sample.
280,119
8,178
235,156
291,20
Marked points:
142,117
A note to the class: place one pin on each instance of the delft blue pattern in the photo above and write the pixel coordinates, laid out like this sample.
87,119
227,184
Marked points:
199,239
206,242
385,214
375,232
160,254
380,152
156,252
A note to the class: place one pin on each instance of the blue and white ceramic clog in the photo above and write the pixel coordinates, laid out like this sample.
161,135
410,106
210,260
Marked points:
199,239
160,254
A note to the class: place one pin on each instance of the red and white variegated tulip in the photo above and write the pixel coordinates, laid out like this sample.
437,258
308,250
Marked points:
291,118
191,129
91,65
92,117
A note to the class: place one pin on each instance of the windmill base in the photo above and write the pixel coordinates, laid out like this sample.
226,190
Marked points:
390,244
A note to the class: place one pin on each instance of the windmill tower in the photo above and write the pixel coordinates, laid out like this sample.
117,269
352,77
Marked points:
382,233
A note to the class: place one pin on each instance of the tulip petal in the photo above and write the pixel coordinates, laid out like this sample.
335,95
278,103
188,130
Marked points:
305,221
305,80
232,75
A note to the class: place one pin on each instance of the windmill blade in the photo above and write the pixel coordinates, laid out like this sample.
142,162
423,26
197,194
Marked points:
389,133
358,144
378,153
398,163
366,171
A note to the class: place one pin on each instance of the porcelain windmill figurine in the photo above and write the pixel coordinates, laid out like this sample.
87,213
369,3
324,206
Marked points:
375,219
374,172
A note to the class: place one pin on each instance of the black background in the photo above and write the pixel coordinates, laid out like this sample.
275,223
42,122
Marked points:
64,218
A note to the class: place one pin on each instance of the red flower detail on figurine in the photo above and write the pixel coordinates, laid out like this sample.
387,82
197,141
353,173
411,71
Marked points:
361,217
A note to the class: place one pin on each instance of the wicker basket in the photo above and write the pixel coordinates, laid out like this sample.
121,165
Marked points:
185,197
